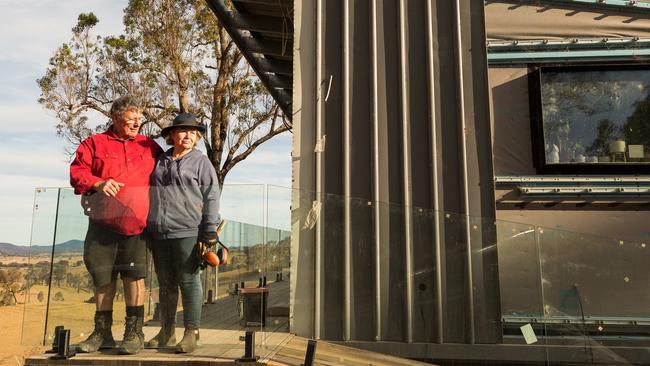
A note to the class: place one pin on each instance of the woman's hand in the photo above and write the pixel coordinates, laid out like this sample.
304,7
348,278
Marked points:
208,237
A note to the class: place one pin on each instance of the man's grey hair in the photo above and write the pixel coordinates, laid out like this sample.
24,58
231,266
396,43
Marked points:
125,104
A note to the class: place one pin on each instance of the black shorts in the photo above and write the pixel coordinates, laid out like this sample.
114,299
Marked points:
107,253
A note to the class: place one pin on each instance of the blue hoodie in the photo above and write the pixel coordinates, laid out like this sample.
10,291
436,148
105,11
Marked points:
184,196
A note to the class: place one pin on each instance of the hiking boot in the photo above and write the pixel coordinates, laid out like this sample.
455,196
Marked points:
165,338
190,341
133,340
101,337
167,310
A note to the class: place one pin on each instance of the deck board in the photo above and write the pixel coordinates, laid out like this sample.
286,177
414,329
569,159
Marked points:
329,354
221,345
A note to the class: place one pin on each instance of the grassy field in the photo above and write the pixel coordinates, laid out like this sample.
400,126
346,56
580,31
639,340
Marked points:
22,325
12,352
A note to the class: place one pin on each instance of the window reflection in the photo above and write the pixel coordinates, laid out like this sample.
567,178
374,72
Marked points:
596,116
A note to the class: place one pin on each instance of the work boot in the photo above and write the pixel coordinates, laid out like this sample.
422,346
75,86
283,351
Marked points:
165,338
133,340
190,341
167,311
101,337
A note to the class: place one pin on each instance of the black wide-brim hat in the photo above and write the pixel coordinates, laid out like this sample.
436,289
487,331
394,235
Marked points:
183,120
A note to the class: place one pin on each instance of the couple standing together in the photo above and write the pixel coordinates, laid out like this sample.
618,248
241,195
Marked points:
137,196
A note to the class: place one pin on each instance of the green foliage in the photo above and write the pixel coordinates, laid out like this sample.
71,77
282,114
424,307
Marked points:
175,57
85,21
59,274
637,125
10,285
606,132
58,296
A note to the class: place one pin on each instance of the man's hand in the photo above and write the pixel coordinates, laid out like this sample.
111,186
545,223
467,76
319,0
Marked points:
108,187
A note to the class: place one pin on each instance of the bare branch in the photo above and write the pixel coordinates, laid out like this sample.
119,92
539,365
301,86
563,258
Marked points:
254,146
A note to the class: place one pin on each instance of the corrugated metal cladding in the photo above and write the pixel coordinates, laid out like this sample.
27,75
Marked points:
398,90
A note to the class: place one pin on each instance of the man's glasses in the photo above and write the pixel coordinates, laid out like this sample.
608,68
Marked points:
133,121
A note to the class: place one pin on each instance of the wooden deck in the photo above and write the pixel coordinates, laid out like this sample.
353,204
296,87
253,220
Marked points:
221,344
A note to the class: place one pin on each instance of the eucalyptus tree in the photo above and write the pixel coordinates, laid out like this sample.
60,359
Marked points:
174,57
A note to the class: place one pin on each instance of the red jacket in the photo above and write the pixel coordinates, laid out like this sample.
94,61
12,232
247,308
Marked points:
103,156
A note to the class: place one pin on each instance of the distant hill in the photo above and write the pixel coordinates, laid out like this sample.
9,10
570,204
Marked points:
70,246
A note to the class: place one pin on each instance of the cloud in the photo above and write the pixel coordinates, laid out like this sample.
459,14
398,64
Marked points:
39,156
38,27
26,118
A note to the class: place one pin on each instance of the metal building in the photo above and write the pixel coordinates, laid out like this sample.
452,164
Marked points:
404,117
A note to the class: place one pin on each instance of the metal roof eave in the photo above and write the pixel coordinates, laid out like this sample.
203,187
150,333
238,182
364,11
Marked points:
272,73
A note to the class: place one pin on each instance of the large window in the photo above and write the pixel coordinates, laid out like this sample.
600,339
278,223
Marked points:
593,119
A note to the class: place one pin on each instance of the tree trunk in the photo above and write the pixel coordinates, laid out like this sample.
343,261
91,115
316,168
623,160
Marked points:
184,101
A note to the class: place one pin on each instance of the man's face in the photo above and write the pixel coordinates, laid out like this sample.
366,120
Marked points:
127,124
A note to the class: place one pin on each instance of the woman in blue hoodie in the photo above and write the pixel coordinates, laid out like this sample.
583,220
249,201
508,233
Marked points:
184,210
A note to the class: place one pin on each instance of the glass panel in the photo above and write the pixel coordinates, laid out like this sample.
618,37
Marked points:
426,226
596,116
71,291
221,319
519,283
72,297
379,262
276,251
358,274
595,291
40,259
243,203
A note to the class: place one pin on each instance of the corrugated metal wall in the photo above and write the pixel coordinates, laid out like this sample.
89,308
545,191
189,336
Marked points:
399,89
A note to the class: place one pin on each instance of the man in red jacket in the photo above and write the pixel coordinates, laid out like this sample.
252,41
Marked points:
111,170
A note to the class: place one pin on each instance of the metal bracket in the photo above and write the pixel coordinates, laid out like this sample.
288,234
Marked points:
63,350
310,353
249,347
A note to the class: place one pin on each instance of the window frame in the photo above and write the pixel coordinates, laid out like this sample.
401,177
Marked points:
537,124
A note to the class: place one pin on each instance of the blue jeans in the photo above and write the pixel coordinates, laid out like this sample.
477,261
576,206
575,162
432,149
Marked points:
177,266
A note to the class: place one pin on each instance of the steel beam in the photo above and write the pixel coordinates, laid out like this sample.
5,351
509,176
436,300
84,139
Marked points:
304,253
231,23
267,25
406,170
321,93
277,49
436,173
278,67
347,175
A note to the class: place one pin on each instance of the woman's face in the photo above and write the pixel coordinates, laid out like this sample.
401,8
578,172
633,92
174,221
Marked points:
184,138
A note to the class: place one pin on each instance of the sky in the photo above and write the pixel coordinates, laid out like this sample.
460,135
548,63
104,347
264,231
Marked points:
31,155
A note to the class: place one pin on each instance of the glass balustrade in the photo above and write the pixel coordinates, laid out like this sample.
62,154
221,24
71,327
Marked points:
378,272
